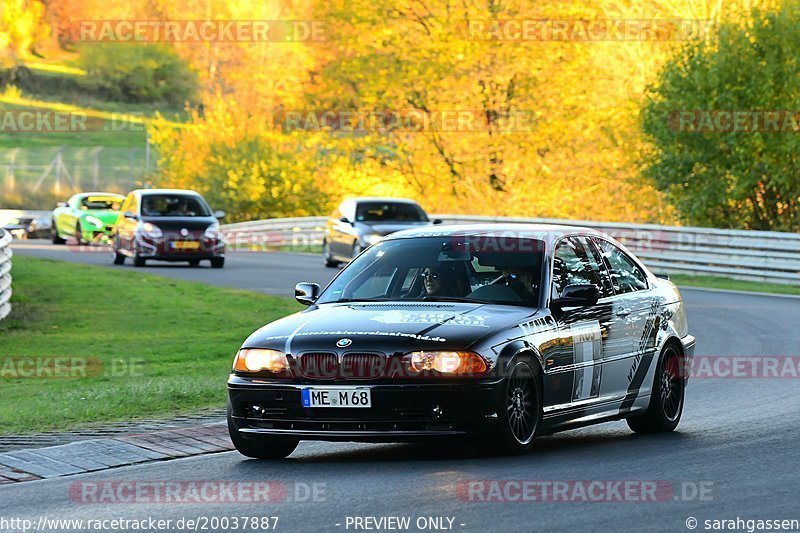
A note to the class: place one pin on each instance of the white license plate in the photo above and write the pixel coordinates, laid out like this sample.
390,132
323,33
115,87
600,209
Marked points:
336,397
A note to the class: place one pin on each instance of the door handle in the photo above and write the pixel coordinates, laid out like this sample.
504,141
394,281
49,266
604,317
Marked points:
623,312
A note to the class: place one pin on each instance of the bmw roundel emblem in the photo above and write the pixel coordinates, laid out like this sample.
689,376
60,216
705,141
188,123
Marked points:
184,232
344,343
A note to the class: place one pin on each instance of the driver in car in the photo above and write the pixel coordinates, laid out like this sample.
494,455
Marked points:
436,283
182,208
520,280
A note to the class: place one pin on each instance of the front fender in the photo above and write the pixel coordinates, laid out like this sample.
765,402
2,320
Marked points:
512,351
673,327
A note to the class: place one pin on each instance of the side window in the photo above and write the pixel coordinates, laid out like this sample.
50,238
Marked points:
408,281
573,264
626,276
480,275
596,264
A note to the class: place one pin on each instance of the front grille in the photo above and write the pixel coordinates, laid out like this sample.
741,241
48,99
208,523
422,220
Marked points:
322,365
318,365
362,366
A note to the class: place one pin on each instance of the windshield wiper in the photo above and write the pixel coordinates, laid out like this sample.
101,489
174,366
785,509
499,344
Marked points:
348,300
432,298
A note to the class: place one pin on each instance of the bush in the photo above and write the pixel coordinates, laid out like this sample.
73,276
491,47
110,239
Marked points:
138,73
241,166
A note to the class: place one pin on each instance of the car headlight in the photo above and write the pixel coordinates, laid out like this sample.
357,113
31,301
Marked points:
150,230
260,359
212,232
372,238
94,221
447,363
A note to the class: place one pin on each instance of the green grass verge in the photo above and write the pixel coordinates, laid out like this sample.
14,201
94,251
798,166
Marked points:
714,282
179,337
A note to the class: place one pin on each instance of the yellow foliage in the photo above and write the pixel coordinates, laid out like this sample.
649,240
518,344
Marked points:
21,25
578,159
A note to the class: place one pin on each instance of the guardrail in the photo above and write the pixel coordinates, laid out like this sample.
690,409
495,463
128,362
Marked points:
5,273
738,254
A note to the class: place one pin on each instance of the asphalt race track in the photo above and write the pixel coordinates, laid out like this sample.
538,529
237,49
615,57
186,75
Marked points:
268,272
735,453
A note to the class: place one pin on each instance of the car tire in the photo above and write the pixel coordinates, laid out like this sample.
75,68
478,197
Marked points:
666,397
326,256
138,261
56,237
520,408
263,447
194,262
217,262
119,258
79,234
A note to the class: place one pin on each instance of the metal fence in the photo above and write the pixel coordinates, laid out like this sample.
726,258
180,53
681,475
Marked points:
5,273
737,254
42,176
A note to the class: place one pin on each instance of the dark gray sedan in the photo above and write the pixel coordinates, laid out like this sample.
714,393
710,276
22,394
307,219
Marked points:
359,222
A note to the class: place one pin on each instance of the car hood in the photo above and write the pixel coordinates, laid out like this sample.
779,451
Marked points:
385,228
387,327
108,217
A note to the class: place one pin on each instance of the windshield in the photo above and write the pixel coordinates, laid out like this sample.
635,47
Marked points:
173,205
110,203
448,268
389,212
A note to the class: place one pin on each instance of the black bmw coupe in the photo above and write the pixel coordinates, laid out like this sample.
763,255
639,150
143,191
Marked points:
495,332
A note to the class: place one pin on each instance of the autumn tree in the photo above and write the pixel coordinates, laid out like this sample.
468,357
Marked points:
22,26
569,157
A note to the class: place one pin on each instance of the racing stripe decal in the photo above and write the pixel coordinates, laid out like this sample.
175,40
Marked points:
644,357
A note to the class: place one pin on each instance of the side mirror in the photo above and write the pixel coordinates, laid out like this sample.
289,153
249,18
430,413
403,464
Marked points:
306,293
61,204
128,214
577,296
345,220
437,220
219,215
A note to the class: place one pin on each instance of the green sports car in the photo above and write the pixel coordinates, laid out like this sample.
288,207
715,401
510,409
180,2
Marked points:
86,217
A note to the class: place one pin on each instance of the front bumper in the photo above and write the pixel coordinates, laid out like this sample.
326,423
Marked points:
163,250
400,411
688,343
